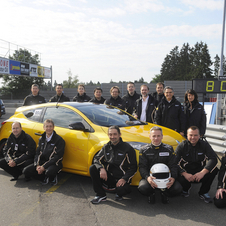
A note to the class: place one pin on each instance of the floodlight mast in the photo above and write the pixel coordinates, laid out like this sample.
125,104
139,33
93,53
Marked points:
221,72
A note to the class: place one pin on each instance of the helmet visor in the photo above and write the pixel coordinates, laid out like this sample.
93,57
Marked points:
161,175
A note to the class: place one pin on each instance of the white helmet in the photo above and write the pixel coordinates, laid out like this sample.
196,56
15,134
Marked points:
162,174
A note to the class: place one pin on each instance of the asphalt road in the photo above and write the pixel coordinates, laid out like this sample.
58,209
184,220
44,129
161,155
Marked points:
68,203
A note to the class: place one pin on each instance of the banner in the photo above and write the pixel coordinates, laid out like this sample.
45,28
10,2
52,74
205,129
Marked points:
40,71
33,70
4,66
47,72
24,69
14,67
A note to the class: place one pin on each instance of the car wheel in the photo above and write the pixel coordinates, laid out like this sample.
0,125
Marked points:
2,144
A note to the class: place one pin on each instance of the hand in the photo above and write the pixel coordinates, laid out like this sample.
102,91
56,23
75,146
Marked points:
170,183
182,133
120,183
198,176
135,116
219,193
11,163
40,169
189,177
151,182
103,174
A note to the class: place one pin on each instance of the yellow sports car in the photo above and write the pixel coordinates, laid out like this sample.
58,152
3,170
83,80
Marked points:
84,128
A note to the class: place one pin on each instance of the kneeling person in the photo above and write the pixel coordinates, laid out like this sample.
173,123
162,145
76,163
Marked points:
192,155
151,155
49,155
113,168
19,151
220,198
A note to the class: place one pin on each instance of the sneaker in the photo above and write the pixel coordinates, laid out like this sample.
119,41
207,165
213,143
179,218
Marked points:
206,198
165,199
14,178
99,199
118,198
185,194
151,199
45,181
54,181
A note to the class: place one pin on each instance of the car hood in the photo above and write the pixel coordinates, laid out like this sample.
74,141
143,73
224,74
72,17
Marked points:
140,134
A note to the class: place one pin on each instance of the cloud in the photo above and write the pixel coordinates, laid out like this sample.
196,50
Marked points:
204,4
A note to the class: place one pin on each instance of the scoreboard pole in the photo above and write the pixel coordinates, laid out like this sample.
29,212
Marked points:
220,73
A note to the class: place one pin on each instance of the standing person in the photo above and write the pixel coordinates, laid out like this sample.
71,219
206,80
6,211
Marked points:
49,155
154,153
59,97
130,98
97,99
34,97
159,94
113,168
194,111
192,155
145,106
19,151
220,198
170,113
81,96
115,99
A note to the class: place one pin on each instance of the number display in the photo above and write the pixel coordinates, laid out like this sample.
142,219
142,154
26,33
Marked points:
209,85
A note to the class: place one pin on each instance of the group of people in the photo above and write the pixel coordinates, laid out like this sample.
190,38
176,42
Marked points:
193,161
160,107
22,157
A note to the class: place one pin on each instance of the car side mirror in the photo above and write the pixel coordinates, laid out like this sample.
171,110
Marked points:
77,126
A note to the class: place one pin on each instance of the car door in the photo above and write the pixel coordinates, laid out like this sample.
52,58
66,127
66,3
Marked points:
76,142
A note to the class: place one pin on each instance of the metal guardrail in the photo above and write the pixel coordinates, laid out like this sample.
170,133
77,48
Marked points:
216,136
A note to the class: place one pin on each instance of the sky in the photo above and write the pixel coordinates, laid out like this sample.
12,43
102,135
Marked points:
104,40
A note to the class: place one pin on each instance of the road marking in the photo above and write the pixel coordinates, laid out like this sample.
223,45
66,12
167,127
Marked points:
30,210
55,187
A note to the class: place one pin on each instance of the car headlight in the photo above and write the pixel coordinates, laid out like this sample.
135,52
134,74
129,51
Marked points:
137,145
178,141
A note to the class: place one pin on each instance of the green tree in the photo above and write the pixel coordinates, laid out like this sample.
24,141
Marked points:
157,79
15,84
201,61
169,70
216,65
72,81
188,63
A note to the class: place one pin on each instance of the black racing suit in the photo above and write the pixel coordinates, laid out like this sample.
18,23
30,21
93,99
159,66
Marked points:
61,98
94,100
221,202
118,102
130,102
195,116
157,96
49,155
31,100
150,155
120,163
170,115
192,159
21,150
151,106
83,98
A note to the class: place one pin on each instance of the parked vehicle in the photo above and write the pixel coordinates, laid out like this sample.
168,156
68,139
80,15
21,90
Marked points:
84,127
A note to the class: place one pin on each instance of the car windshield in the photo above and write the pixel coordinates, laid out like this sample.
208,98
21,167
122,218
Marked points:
104,115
